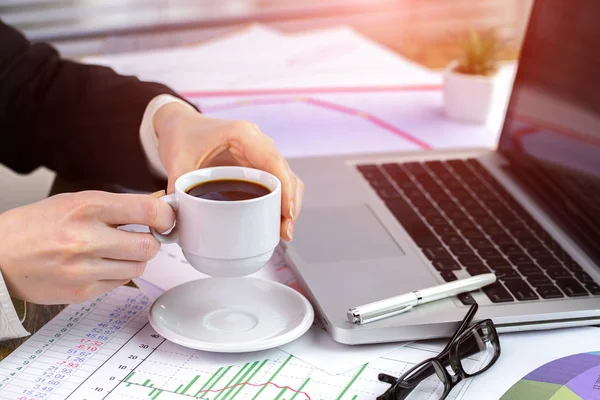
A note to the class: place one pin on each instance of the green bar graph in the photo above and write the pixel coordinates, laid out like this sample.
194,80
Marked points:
179,387
147,382
239,381
129,376
208,381
231,381
280,393
273,376
152,392
212,385
190,384
249,379
360,371
355,396
156,395
300,388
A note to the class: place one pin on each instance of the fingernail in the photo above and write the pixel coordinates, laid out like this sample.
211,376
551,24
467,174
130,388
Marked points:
290,230
292,211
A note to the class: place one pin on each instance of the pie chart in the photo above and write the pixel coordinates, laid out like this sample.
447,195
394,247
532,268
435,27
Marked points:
574,377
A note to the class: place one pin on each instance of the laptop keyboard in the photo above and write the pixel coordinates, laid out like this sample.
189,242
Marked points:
464,220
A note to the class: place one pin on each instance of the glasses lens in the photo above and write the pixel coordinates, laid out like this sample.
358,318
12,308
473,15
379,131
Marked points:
477,349
428,379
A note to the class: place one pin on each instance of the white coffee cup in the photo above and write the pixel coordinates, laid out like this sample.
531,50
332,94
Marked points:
225,238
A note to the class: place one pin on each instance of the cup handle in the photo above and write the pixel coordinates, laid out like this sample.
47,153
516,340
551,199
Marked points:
171,237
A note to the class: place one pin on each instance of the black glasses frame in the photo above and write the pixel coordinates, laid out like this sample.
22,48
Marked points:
402,387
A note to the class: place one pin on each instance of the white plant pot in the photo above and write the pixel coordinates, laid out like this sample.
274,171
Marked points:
468,97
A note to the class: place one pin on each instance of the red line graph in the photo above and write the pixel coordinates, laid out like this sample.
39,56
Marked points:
322,104
256,385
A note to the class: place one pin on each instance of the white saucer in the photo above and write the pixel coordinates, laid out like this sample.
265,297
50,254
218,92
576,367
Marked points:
231,315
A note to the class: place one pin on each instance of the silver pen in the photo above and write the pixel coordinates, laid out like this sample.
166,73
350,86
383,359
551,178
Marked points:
405,302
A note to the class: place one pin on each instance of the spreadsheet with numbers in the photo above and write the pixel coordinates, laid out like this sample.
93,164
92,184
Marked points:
106,349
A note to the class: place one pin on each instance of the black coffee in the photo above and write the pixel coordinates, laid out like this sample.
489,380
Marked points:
228,190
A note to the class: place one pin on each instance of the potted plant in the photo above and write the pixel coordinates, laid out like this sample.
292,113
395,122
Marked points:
470,81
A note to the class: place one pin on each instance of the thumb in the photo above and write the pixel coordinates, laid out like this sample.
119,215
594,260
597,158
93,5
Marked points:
183,166
158,194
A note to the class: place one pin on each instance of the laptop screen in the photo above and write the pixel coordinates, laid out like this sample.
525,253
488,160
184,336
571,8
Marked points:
552,126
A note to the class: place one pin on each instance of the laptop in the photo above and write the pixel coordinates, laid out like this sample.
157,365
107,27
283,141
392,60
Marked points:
375,226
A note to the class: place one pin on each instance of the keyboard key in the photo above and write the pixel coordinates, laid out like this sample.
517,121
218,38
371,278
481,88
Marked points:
388,193
489,253
415,168
461,250
593,288
539,280
470,260
520,259
497,293
437,220
539,253
495,230
473,234
480,243
506,273
448,276
529,270
571,287
371,173
452,240
466,299
558,273
531,243
478,270
413,224
583,277
521,290
510,249
464,225
549,263
437,253
446,265
496,263
549,292
444,230
502,240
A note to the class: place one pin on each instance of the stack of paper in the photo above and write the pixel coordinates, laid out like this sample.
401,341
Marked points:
259,57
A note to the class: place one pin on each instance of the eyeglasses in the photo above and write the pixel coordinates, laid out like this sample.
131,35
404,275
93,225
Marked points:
472,350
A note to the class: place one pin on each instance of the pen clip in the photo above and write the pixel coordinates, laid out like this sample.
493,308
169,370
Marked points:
357,319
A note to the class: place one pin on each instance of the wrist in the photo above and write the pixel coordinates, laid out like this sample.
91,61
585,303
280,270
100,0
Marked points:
168,117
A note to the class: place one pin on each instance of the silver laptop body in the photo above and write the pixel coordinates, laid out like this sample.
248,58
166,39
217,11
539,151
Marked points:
350,248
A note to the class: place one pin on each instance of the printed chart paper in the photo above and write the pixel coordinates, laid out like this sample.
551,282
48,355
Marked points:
106,349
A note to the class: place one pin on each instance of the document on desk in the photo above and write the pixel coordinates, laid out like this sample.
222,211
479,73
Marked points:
259,57
105,349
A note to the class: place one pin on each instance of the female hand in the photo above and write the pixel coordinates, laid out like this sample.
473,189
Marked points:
67,248
189,140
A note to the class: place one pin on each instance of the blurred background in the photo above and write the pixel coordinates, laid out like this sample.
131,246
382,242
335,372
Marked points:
420,30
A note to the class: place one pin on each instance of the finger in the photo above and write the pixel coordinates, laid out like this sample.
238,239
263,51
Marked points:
299,196
109,269
287,229
261,153
117,244
158,194
119,209
184,163
100,287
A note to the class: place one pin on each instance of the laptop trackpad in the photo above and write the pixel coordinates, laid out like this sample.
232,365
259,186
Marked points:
348,233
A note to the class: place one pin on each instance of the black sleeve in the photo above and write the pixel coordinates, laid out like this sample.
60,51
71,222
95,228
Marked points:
81,121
